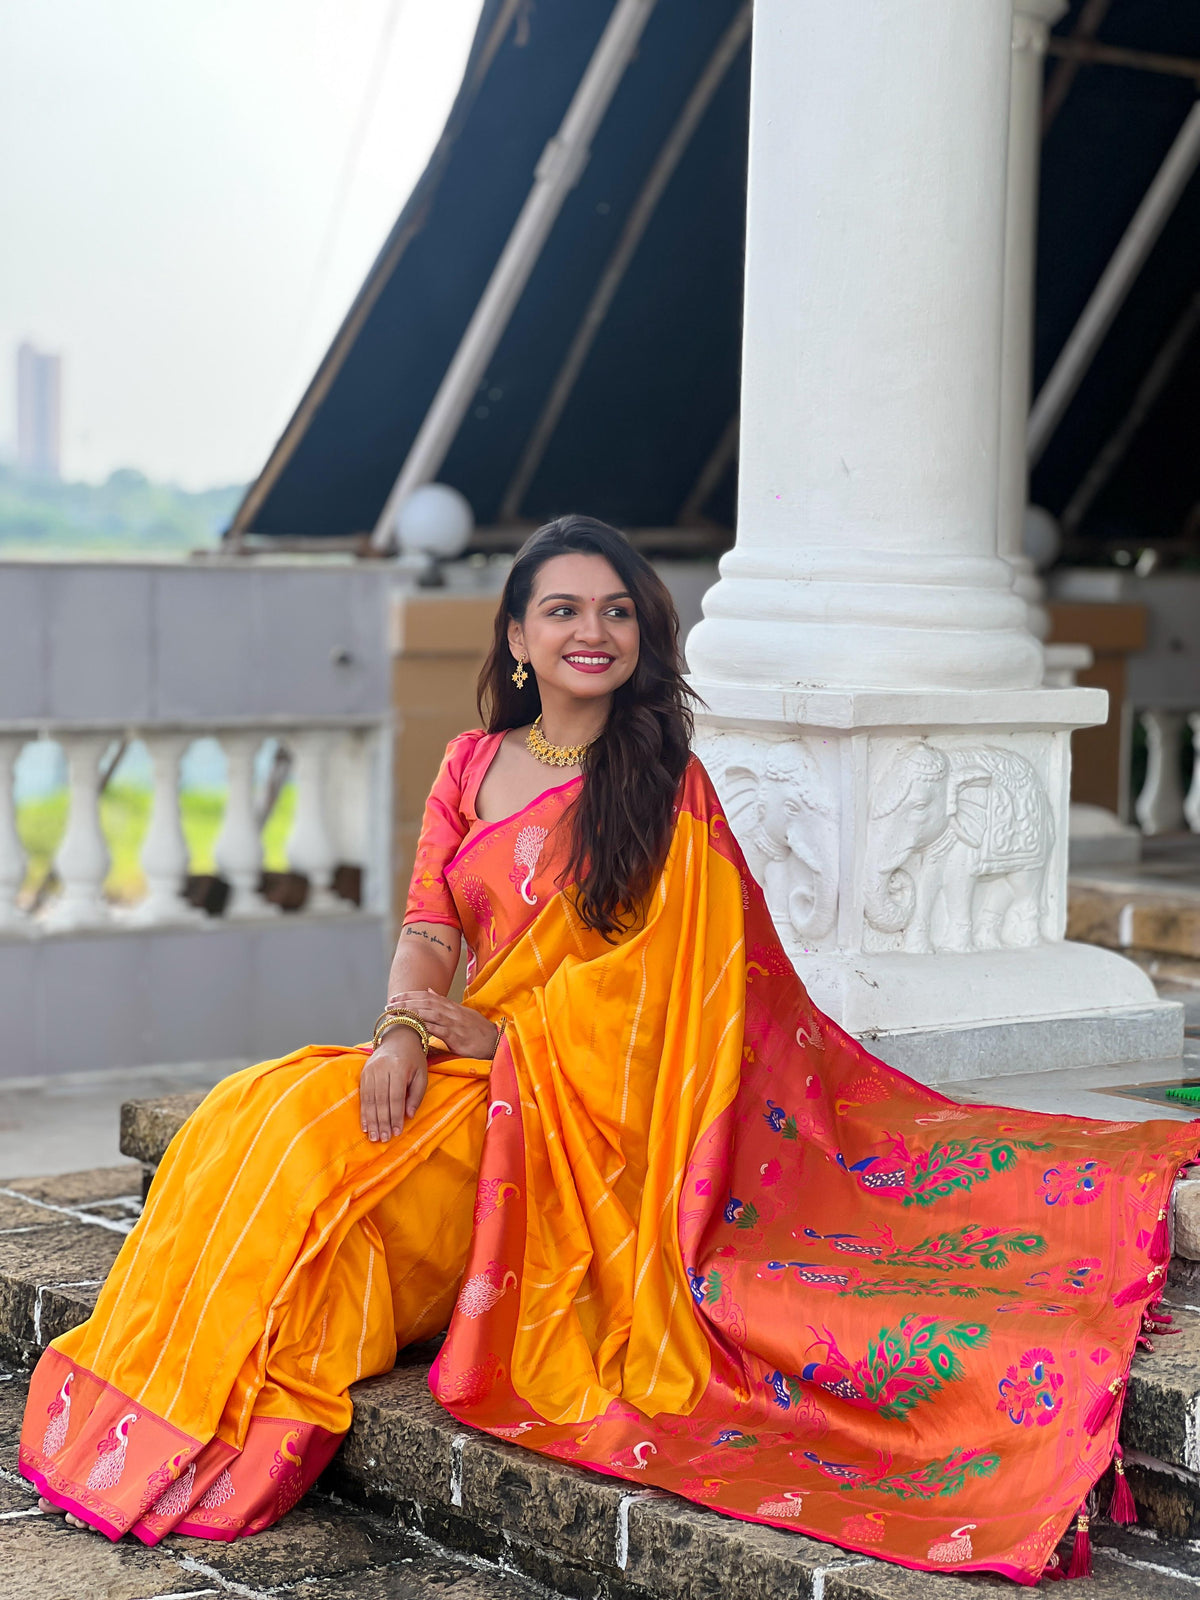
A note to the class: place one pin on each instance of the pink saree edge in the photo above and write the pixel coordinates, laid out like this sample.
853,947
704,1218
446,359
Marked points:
66,1502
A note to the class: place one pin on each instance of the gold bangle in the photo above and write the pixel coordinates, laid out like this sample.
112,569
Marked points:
399,1011
404,1022
397,1014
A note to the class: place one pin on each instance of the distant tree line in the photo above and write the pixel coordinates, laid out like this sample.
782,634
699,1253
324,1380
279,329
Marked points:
126,512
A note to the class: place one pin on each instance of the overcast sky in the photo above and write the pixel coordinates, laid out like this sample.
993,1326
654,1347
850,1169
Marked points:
170,174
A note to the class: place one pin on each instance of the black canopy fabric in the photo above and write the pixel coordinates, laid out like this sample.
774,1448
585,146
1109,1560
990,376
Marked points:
640,438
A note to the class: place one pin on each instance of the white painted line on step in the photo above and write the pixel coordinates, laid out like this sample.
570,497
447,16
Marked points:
16,1480
1146,1566
131,1202
7,1516
83,1283
456,1468
69,1211
623,1505
32,1227
182,1594
224,1585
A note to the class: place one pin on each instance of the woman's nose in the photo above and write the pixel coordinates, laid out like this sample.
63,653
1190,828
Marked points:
590,627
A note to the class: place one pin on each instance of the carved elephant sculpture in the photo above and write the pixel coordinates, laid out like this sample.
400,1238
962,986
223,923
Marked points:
785,824
957,846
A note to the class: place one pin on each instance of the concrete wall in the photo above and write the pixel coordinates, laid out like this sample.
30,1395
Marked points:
122,643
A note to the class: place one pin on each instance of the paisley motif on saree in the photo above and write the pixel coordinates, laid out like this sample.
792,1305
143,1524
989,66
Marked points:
683,1230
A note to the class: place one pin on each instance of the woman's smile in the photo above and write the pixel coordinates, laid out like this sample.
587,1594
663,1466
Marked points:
589,662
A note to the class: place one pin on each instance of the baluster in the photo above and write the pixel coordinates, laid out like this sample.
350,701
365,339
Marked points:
1159,807
348,777
1191,806
12,855
239,847
165,853
310,846
82,860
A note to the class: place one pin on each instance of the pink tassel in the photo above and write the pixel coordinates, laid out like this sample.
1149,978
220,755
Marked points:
1121,1508
1081,1550
1102,1405
1140,1288
1160,1243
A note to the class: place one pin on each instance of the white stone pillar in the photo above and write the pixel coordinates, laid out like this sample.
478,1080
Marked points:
875,726
866,547
1031,23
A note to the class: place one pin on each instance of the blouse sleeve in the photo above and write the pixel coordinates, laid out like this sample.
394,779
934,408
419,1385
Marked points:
443,829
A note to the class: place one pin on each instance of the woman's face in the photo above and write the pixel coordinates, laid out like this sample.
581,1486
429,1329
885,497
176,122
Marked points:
580,631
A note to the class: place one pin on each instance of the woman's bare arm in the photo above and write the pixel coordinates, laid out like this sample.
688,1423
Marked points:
426,958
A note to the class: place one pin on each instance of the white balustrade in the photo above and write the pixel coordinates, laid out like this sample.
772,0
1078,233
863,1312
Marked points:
332,769
1160,807
310,843
12,855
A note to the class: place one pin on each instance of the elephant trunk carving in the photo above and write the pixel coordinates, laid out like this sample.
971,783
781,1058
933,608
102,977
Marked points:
889,899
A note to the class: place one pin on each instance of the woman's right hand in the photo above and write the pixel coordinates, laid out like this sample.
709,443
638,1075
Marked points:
392,1084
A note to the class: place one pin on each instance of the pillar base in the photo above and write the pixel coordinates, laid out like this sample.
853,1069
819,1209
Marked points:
912,846
943,1018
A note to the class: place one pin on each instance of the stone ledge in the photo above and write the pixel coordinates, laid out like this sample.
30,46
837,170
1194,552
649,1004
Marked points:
148,1126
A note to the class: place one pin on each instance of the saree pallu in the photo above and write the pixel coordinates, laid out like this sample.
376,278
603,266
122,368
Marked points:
683,1229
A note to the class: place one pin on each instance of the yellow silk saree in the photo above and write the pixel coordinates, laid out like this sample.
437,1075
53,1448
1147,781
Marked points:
682,1230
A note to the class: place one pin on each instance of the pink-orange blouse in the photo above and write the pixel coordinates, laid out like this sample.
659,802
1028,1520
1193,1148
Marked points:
485,878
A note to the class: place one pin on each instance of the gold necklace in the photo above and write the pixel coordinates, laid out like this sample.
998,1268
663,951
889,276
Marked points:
553,755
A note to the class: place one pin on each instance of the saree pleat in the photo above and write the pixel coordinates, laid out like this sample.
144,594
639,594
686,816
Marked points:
682,1230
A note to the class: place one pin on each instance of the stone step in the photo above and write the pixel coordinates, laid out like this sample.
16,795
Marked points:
527,1520
1125,912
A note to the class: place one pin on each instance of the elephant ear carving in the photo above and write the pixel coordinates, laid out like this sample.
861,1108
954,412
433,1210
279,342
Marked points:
739,791
970,806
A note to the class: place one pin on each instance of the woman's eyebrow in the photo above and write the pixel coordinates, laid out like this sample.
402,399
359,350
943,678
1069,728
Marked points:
621,594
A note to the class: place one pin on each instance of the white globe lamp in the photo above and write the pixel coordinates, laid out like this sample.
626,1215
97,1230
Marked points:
433,525
1041,539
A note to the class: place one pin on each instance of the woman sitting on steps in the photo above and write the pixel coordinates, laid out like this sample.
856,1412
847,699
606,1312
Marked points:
680,1227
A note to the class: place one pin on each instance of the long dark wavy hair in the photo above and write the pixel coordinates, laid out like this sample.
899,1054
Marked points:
621,820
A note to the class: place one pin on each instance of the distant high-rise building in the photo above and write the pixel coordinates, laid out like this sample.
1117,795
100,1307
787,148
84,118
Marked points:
39,386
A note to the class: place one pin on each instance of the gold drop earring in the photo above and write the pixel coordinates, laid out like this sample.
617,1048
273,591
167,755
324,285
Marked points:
520,676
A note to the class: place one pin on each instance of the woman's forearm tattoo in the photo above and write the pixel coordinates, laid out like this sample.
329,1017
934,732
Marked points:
420,933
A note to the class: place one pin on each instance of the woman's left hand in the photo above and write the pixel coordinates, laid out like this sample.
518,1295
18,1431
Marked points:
463,1031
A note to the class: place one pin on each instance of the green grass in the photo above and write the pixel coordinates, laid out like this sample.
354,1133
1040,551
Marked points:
124,819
